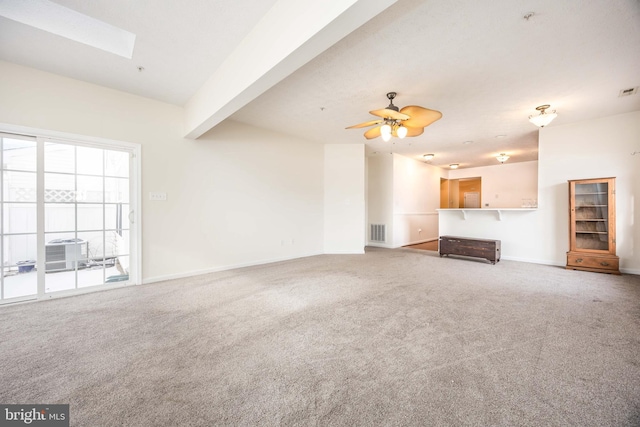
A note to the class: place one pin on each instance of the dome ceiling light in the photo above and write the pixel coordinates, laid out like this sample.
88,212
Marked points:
544,118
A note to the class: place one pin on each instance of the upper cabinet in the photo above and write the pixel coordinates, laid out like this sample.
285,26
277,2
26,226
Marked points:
592,226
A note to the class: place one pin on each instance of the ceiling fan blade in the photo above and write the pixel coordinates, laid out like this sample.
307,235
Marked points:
365,124
373,132
414,131
420,116
385,113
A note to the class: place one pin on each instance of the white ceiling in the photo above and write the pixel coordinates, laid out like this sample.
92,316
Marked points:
481,64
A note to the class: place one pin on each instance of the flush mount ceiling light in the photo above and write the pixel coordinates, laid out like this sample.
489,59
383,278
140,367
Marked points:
51,17
454,165
544,118
428,157
502,158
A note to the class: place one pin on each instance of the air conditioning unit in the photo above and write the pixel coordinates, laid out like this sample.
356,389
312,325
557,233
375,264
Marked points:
61,255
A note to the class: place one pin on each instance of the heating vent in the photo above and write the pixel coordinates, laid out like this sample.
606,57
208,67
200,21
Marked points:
627,92
378,233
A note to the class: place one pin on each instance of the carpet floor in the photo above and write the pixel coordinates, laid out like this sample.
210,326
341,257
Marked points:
390,338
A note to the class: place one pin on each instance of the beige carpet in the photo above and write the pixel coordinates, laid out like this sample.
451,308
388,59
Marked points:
390,338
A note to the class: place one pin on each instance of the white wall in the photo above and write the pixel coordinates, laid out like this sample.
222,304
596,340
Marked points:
344,198
591,149
403,194
380,195
504,185
238,196
516,231
416,196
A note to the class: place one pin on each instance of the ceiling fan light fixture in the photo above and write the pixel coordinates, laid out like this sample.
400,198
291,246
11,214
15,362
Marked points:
454,165
409,121
544,118
502,158
428,157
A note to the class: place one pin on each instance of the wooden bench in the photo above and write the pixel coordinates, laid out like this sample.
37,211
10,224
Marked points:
466,246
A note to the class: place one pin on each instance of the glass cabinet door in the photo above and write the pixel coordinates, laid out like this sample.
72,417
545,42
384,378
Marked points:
592,216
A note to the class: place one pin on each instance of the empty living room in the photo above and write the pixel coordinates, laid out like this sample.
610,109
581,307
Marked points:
341,213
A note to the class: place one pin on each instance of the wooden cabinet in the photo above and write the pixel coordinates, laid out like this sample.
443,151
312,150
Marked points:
592,226
480,248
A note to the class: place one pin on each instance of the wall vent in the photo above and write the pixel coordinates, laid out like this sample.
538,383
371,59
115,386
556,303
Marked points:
627,92
378,233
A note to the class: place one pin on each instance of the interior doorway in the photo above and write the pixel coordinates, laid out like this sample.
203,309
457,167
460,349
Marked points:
453,193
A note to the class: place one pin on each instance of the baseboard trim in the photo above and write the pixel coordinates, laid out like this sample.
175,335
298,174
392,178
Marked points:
223,268
417,242
268,261
561,264
380,245
533,261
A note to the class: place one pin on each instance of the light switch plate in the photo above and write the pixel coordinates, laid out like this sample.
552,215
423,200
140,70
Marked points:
157,195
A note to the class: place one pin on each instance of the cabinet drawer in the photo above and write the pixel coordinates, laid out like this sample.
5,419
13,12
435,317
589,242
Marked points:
592,261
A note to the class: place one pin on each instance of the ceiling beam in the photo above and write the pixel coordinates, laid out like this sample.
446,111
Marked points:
292,33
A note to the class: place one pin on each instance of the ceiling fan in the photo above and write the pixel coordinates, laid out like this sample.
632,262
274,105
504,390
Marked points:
408,121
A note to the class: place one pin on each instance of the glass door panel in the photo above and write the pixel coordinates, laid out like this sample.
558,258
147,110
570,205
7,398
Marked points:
592,213
18,216
59,217
59,158
90,161
19,272
63,253
94,184
92,269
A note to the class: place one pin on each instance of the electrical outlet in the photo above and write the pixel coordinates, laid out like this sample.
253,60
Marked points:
157,195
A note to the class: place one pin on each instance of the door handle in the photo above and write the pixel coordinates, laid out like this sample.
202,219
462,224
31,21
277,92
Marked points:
131,216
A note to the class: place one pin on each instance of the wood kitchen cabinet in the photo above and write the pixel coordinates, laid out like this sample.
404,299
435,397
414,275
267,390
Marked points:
592,226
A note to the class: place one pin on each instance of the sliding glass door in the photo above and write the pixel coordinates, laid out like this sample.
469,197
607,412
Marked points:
67,215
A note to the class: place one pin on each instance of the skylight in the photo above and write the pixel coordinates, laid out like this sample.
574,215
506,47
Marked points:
62,21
